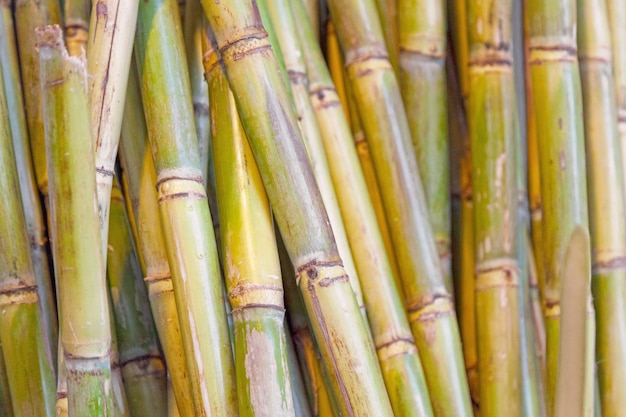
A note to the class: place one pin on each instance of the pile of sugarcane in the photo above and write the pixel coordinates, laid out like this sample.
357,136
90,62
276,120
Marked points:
287,208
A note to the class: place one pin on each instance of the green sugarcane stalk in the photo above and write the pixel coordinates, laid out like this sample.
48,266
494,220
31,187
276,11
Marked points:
307,354
298,387
369,174
140,180
556,94
28,370
457,16
29,15
422,28
6,408
535,243
35,223
85,327
394,342
280,21
313,15
533,390
111,30
253,278
141,362
462,233
533,398
390,15
606,202
617,15
271,126
429,304
183,207
62,406
193,31
76,16
495,186
336,67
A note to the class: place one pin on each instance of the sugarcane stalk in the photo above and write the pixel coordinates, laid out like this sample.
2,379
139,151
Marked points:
62,406
495,186
6,408
537,310
532,387
457,16
533,392
390,15
195,26
462,208
31,203
402,369
313,14
253,279
307,354
76,16
556,95
183,207
617,15
429,304
607,221
140,178
534,184
281,22
85,327
270,124
298,387
336,67
422,42
111,30
29,15
535,243
369,174
28,371
142,365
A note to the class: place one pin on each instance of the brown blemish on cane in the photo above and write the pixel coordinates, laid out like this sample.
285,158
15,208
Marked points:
562,163
102,10
311,270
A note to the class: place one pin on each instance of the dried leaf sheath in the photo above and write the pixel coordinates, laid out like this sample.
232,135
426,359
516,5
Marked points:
111,31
